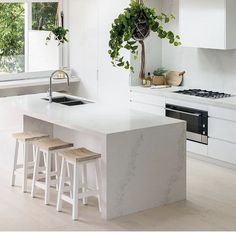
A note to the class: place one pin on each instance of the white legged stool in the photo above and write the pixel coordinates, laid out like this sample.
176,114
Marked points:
47,148
24,139
77,157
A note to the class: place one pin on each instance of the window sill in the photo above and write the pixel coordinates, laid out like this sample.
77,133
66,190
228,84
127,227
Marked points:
33,82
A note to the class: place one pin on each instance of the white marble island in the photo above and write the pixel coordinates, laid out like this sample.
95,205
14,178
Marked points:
143,156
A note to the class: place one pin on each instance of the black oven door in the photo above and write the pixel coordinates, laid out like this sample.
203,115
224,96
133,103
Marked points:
197,121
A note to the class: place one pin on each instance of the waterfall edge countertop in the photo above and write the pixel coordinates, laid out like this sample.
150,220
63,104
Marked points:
143,162
92,117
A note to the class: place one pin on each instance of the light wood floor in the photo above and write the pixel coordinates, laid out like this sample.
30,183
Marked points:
211,205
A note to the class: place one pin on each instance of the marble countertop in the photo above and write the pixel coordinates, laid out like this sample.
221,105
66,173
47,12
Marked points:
169,93
92,117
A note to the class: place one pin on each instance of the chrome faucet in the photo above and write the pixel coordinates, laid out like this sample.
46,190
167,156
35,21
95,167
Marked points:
50,84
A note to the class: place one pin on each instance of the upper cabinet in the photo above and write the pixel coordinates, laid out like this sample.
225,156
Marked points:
208,23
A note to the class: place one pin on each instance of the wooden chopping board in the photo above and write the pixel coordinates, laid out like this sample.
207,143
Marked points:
175,78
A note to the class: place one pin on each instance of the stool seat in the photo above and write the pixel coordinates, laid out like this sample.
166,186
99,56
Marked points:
24,139
52,144
29,136
80,155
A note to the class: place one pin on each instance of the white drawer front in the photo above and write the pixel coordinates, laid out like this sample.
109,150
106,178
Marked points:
222,150
222,113
222,129
147,99
148,108
196,148
186,104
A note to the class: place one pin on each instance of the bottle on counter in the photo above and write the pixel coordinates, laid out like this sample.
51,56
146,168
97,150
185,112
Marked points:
148,80
144,81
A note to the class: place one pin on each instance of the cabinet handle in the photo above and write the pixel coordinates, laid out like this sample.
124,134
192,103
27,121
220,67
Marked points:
187,113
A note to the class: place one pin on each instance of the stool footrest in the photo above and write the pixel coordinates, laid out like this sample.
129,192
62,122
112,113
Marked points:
67,199
42,185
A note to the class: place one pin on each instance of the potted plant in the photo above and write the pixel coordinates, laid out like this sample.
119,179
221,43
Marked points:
159,76
58,33
132,27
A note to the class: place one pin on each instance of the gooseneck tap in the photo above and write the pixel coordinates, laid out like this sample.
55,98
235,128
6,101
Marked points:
50,84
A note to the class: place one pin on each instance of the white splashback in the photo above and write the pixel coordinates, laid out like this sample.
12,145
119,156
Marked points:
206,68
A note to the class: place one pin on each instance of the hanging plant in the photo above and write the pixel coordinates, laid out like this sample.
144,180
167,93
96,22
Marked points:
58,33
132,27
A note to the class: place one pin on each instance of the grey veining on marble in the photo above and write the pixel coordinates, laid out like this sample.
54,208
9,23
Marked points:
146,169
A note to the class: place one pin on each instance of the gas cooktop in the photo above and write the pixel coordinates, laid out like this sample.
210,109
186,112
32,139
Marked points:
204,93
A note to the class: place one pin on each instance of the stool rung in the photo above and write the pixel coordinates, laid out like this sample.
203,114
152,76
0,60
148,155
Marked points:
67,199
30,171
40,176
40,185
88,194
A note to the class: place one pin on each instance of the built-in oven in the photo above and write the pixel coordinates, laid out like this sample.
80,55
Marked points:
197,121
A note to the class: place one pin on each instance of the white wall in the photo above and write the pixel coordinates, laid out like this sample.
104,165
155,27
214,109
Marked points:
206,68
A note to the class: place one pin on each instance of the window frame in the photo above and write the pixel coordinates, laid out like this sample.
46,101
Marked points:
63,50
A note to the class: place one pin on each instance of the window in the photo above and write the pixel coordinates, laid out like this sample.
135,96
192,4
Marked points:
24,26
12,38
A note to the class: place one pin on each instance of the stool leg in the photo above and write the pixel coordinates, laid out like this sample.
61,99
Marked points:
61,185
75,211
57,170
48,178
70,176
25,168
84,182
13,176
36,167
99,183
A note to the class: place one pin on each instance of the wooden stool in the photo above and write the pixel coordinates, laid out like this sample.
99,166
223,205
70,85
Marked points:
76,157
48,148
24,139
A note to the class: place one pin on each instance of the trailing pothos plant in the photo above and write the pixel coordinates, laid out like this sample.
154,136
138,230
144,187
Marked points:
58,33
132,27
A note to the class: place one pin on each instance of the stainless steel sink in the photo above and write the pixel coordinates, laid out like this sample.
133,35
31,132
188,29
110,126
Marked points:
65,100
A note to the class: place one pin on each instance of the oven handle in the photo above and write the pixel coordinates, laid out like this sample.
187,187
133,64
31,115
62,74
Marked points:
188,113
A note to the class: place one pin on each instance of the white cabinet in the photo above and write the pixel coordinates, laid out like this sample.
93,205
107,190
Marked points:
222,150
148,103
90,23
222,129
83,21
208,23
113,82
222,136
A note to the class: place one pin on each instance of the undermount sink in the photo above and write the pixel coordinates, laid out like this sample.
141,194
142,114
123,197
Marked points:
67,101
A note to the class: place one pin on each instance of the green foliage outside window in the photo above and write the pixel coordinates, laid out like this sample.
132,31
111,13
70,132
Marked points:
44,17
11,37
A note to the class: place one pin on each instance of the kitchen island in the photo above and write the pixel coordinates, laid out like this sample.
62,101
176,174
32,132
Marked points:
143,155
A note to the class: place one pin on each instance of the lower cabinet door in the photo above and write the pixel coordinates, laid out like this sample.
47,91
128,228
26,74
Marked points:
222,150
148,108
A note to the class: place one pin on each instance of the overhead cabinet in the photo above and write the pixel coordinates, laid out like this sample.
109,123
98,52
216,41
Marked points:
208,23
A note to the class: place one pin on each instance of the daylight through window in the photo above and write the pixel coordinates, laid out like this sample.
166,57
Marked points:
23,31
